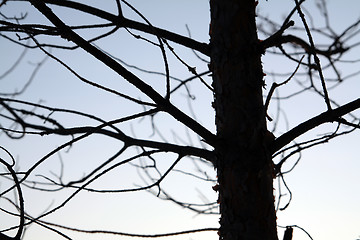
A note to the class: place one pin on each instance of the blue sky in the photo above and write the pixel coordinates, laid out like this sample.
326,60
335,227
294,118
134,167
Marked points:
324,184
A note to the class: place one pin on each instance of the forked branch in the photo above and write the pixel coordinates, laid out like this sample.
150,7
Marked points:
162,103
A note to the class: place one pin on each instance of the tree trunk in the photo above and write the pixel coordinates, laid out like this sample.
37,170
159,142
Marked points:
244,166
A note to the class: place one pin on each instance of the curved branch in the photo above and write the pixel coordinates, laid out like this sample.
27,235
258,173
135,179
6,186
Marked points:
129,234
278,40
21,199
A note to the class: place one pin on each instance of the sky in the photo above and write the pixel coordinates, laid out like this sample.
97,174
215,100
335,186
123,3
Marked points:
324,184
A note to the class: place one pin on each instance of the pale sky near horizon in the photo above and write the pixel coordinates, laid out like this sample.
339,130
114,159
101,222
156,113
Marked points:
325,183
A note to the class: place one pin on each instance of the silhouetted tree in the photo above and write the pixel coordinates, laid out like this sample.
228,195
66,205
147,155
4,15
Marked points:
242,148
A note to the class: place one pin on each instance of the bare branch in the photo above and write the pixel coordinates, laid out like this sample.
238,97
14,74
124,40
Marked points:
159,235
317,60
123,22
328,116
164,104
21,199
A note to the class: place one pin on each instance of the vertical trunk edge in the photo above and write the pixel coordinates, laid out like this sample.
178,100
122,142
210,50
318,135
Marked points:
244,165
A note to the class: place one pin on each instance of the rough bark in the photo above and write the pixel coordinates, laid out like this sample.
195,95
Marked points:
244,166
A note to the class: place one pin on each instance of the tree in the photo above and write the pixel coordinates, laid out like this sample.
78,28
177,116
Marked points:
243,149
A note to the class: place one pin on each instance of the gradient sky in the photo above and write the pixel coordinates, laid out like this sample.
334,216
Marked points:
325,184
